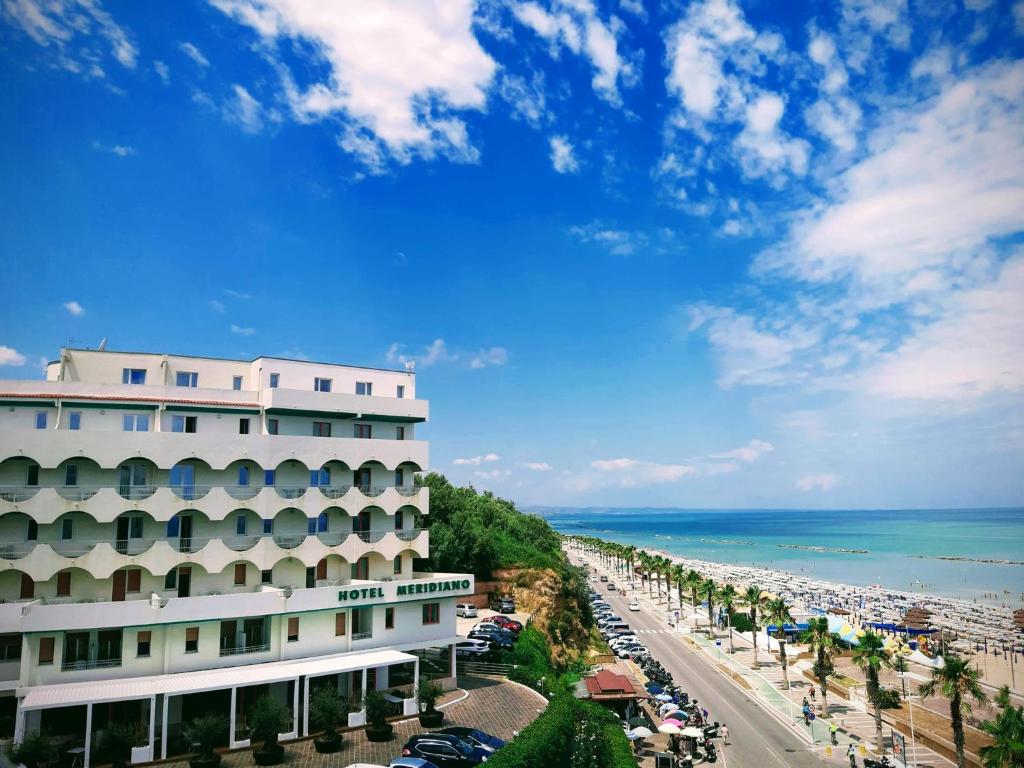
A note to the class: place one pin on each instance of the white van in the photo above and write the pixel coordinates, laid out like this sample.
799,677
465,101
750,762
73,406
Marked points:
466,610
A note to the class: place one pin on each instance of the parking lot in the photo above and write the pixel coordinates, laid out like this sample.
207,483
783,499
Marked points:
463,626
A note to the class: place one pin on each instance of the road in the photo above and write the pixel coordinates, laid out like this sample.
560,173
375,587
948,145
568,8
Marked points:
756,738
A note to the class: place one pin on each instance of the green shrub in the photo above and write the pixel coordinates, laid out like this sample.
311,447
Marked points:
327,710
207,732
888,698
377,708
544,743
34,749
267,718
427,694
741,622
115,745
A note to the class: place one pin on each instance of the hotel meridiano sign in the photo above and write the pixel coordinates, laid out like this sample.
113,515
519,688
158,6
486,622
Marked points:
409,590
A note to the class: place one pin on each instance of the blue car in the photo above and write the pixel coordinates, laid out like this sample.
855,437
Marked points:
445,750
410,762
475,737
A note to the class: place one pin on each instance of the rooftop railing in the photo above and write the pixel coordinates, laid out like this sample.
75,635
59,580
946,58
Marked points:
21,493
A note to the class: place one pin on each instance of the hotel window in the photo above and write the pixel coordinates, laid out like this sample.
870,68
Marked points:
33,531
183,423
364,431
75,421
171,579
64,584
191,639
361,568
400,391
275,378
143,643
243,426
133,375
268,527
241,525
364,388
239,574
311,526
389,618
399,520
71,475
268,477
339,624
46,650
243,475
323,522
399,478
293,629
28,587
135,422
431,613
319,477
40,419
321,385
398,565
67,529
10,647
321,429
400,433
271,426
133,581
267,577
32,475
236,383
187,379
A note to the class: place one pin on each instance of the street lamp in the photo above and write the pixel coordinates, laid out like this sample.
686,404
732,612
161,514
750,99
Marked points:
910,704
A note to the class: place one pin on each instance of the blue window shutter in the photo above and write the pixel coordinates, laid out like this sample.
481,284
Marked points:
173,527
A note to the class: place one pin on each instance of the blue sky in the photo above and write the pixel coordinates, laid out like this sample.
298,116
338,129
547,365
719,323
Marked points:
673,254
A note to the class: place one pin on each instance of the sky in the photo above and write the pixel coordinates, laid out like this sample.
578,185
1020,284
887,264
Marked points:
682,254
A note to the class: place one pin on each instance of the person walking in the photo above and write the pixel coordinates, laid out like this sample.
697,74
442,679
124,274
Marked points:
852,754
833,732
724,733
807,713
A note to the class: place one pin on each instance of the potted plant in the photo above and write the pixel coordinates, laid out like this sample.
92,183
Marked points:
115,745
427,694
267,718
327,710
35,750
377,726
206,733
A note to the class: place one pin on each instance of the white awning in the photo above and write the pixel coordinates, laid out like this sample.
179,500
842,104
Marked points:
180,683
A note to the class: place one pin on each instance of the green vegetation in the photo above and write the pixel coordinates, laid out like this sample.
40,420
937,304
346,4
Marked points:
957,681
1007,732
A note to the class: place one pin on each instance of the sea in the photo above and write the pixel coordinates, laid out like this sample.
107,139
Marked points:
897,548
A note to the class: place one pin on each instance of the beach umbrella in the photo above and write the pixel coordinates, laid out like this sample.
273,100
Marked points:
637,722
669,728
678,715
663,697
653,688
673,721
641,732
692,733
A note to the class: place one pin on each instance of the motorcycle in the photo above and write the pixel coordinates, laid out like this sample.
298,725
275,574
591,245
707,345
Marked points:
710,753
872,763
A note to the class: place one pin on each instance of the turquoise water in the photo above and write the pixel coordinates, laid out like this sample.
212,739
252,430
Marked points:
892,539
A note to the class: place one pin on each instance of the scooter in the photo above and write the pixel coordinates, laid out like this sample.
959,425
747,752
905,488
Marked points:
883,763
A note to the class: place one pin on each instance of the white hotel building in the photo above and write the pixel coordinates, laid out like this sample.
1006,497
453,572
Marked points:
179,535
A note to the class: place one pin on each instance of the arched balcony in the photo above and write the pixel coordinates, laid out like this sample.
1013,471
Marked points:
334,479
333,526
137,478
248,479
19,478
77,478
291,479
290,528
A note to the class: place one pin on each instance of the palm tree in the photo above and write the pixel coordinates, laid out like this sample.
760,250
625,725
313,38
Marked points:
727,597
693,582
870,655
646,562
957,680
754,598
777,613
630,556
708,588
679,577
824,646
1007,732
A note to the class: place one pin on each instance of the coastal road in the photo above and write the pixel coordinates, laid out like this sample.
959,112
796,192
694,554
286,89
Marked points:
756,738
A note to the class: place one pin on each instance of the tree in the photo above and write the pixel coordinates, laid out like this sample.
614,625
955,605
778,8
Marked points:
267,718
328,711
871,657
824,646
679,577
693,582
957,680
727,597
1007,732
709,589
207,732
754,597
777,613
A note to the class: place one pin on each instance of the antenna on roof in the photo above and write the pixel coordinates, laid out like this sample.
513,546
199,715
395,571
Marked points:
410,366
103,344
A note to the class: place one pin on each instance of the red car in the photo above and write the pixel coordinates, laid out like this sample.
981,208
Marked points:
509,624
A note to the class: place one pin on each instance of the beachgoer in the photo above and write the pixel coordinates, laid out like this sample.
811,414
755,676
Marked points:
812,694
704,714
723,731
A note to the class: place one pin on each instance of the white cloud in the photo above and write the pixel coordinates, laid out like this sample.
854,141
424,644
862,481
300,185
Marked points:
237,294
834,114
631,472
526,97
74,308
937,63
239,330
538,466
217,306
396,76
244,110
476,461
748,453
486,357
617,241
563,158
70,29
823,482
433,353
162,71
11,357
121,150
763,149
492,474
195,54
1018,16
575,24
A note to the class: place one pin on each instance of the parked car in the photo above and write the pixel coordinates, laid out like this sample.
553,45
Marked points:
475,737
466,610
411,762
634,605
611,586
503,605
487,626
496,641
631,650
510,624
444,750
604,578
472,648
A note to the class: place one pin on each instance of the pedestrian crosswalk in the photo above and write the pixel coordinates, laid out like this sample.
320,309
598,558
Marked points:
655,631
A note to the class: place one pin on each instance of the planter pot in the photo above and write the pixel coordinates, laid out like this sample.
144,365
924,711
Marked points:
379,733
268,755
327,746
209,762
432,719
